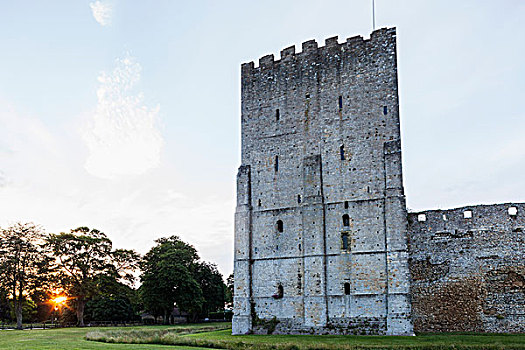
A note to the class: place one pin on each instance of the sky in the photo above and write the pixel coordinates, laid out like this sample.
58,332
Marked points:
123,115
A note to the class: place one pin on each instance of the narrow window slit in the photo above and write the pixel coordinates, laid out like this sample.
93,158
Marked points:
346,220
280,227
280,292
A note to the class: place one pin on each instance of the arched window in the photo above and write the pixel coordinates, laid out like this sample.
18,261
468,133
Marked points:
347,288
346,220
279,226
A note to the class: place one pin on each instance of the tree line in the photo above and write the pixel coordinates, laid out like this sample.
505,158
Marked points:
98,281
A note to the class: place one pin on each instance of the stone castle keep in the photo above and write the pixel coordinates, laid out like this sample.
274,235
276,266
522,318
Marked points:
323,241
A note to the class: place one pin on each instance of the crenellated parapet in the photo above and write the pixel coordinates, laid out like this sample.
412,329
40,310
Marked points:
356,53
379,39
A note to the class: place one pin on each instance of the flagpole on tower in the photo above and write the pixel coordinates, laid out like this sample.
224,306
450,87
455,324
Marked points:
373,15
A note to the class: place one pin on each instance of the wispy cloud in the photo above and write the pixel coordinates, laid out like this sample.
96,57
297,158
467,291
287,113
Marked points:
43,180
123,138
102,12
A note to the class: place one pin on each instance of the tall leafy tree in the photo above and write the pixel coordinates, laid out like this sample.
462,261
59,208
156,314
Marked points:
229,289
212,286
24,264
86,260
168,278
115,301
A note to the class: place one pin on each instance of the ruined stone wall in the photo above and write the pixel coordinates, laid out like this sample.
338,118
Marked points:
321,140
468,269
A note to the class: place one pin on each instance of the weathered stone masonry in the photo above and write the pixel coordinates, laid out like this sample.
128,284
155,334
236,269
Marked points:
468,268
321,224
323,242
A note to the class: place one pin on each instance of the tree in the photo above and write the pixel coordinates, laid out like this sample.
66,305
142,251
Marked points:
229,289
5,308
24,264
167,278
85,260
212,286
104,308
115,301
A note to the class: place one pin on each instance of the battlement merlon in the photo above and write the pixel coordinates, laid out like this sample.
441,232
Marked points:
310,47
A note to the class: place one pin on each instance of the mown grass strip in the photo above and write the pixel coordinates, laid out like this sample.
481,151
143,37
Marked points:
224,340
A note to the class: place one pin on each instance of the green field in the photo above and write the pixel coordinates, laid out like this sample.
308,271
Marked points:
75,338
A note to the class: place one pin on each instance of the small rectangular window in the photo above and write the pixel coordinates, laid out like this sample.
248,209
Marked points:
344,241
346,204
277,115
340,102
385,110
276,164
342,152
421,217
513,211
467,214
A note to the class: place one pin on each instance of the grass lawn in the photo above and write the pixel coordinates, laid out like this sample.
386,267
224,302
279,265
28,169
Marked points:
158,337
75,338
223,339
428,341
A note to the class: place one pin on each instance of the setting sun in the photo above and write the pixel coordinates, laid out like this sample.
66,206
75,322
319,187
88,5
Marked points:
59,300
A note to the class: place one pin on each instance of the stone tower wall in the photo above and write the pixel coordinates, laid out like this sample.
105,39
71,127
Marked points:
468,272
321,140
